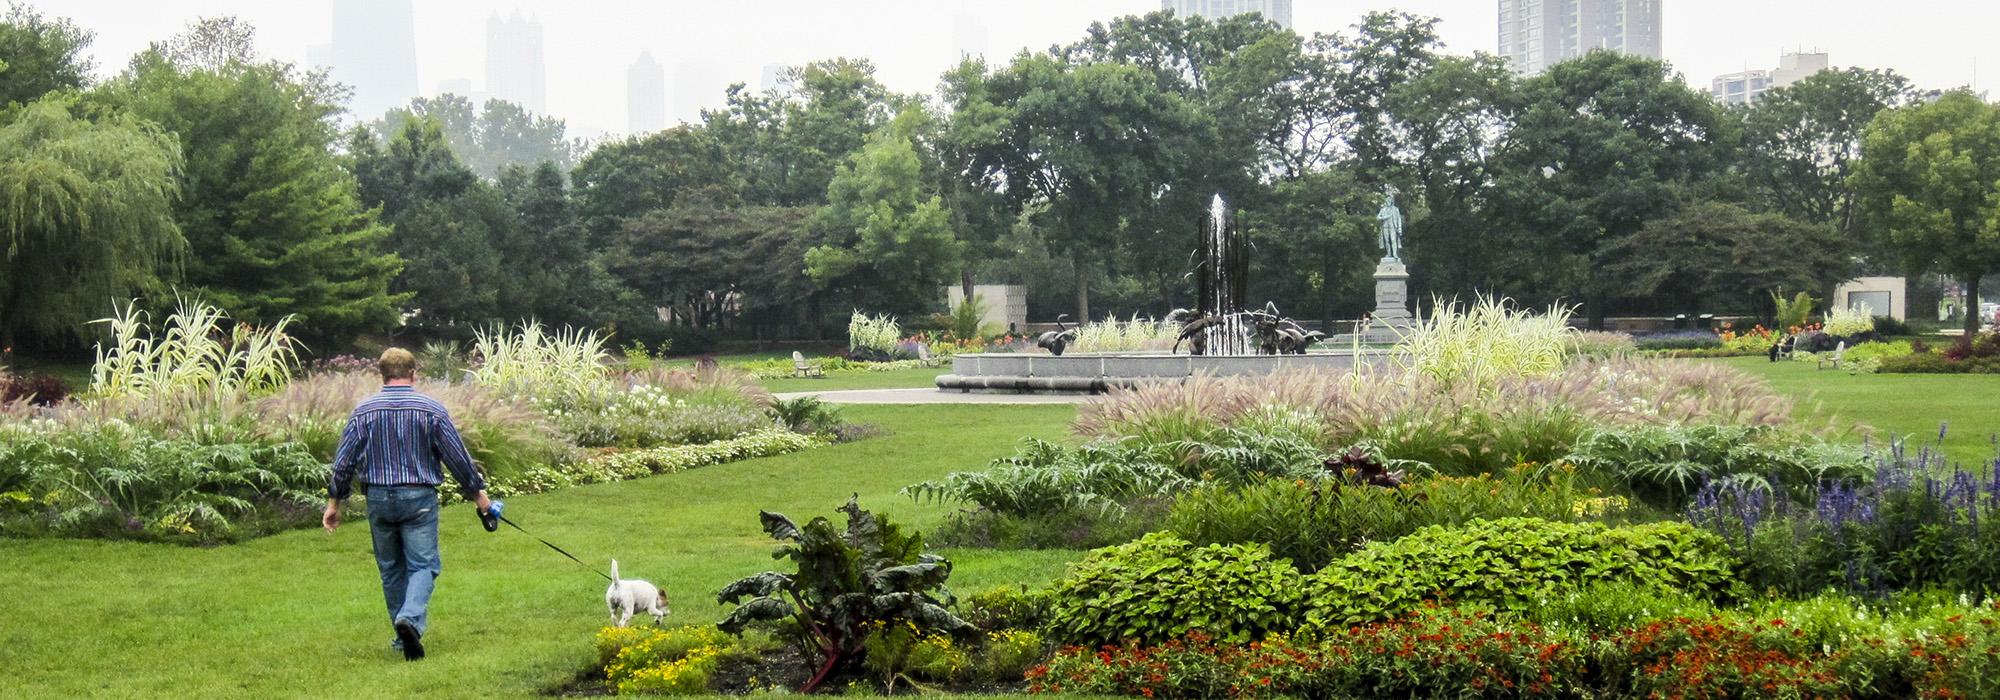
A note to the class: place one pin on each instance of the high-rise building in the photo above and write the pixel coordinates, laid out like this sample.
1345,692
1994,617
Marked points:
1536,34
968,37
645,96
515,71
1745,87
1279,11
374,51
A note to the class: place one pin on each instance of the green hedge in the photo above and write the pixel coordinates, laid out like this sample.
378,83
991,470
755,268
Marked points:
1514,564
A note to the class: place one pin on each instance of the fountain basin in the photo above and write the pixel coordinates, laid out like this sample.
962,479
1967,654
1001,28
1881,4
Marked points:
1090,373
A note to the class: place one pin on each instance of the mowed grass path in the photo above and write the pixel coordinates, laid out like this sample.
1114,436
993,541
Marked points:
1896,405
300,614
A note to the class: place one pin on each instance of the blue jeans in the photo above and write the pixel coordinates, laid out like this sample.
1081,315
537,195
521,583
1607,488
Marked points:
404,521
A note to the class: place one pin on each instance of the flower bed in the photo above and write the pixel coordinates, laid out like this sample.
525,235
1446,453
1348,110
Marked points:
632,464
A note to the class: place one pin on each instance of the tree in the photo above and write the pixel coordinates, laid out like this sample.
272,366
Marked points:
40,55
629,177
1316,246
1719,253
497,134
86,216
1082,146
887,232
273,224
545,261
785,145
1929,180
446,220
1800,142
1601,145
709,264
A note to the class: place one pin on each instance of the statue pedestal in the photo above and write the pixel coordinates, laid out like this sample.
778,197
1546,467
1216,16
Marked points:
1392,303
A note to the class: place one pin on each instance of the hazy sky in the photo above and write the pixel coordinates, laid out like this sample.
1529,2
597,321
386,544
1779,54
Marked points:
705,45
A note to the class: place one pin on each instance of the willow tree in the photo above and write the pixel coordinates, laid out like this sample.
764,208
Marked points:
86,216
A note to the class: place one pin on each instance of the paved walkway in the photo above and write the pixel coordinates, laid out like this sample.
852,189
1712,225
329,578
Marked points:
931,395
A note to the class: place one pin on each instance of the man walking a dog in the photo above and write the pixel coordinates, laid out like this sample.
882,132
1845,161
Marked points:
394,443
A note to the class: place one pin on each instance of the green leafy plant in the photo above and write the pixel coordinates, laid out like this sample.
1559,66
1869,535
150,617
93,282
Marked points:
443,361
1665,465
846,586
1315,521
1162,587
1793,313
808,415
1045,478
1514,564
967,318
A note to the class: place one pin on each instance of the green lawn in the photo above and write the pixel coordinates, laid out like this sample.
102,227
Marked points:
301,613
1902,405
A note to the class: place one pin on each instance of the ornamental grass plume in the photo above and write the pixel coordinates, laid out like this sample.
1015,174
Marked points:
1460,427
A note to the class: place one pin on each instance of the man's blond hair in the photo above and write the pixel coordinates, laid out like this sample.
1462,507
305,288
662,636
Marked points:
397,363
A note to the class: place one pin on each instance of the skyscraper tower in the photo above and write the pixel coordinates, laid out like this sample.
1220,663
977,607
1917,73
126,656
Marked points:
645,96
515,71
1279,11
1535,34
374,51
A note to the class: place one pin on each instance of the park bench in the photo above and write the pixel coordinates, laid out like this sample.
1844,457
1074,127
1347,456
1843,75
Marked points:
801,368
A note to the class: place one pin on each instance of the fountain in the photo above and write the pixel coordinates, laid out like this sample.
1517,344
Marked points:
1223,338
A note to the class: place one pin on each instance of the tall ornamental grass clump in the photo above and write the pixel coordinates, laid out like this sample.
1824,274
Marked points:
195,358
1113,335
536,363
1486,341
874,334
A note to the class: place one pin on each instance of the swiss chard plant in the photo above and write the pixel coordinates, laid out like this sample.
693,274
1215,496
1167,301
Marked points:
846,585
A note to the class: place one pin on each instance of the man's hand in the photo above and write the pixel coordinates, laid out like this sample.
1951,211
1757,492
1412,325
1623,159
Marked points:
331,519
485,504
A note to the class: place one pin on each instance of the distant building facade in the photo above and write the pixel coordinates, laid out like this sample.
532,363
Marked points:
645,96
515,70
1279,11
1745,87
374,51
1536,34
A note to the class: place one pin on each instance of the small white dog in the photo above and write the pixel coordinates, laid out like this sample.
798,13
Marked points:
626,598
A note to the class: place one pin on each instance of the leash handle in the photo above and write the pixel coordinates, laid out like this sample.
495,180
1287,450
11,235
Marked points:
551,545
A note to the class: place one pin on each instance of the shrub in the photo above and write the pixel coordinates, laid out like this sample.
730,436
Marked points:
1665,465
845,587
1792,314
1161,587
1313,522
1917,523
1005,608
808,415
1513,564
901,651
1890,326
1484,342
1679,340
37,389
967,320
1008,655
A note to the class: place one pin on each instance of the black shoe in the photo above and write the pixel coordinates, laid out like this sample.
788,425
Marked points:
413,641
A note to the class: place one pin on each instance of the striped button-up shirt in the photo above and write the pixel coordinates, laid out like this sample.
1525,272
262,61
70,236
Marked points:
397,438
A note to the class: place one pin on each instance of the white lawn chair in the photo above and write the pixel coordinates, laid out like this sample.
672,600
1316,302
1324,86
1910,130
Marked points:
801,368
1838,351
924,355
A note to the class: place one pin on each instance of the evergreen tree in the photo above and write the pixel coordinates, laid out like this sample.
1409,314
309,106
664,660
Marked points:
273,224
446,220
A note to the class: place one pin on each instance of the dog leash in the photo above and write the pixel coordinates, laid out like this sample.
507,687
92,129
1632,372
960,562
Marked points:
551,545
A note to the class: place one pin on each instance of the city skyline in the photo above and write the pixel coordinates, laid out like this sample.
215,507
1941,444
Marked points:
1535,34
589,45
645,95
1279,11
